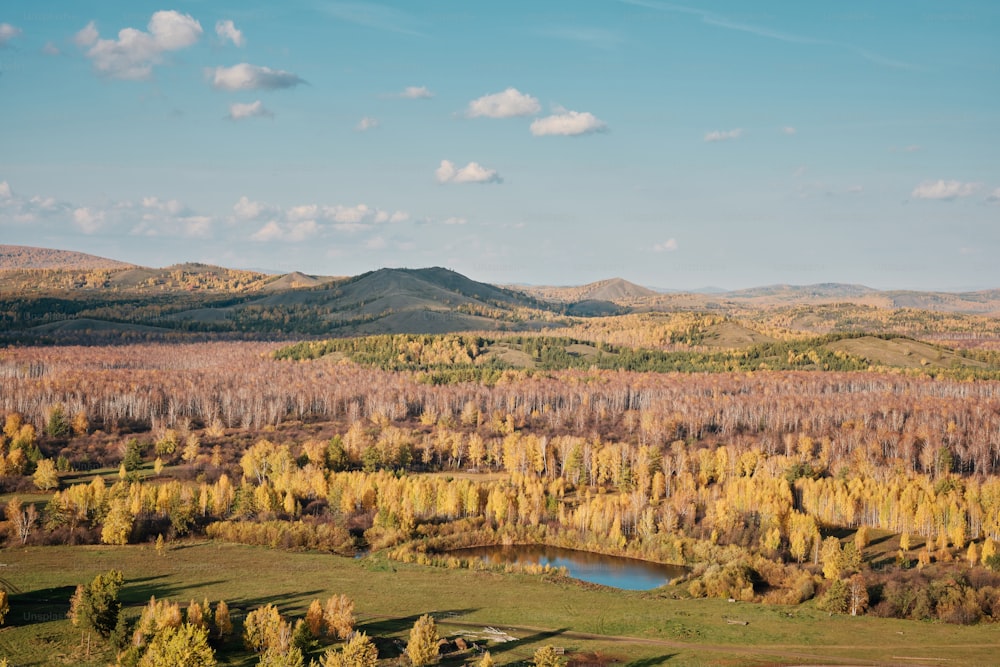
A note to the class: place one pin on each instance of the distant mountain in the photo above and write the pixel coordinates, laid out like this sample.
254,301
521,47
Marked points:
296,280
60,295
433,300
615,290
820,290
985,302
20,258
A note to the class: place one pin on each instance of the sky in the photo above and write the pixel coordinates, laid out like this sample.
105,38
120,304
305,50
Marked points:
724,143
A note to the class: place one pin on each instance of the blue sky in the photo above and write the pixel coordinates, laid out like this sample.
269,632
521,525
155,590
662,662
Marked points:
676,145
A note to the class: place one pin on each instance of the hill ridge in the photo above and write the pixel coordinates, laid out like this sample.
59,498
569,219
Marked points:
22,258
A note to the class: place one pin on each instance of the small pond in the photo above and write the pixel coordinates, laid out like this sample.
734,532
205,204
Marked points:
614,571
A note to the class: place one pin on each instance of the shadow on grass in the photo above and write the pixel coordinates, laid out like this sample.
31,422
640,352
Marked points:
240,607
39,606
138,591
651,662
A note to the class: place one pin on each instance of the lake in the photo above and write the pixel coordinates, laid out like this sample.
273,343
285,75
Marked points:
614,571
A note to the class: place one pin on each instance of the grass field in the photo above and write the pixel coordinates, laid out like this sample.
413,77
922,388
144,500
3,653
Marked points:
635,628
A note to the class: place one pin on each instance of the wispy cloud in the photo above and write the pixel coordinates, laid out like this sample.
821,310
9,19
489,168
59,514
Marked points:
134,54
7,33
375,16
723,135
366,123
416,93
789,130
670,245
470,173
765,32
944,190
994,196
251,77
568,123
507,104
599,38
228,32
239,111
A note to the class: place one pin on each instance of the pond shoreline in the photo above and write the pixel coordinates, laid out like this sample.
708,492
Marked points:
620,572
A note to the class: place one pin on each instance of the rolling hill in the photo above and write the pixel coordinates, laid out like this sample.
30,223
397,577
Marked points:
614,290
432,300
57,295
22,258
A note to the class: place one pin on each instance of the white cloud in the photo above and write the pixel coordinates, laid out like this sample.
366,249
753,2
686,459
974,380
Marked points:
470,173
454,221
251,210
272,231
228,32
5,192
568,123
88,220
303,212
366,123
172,206
134,54
670,245
306,221
7,33
724,135
416,93
789,130
188,226
256,109
507,104
87,36
50,49
993,196
251,77
150,216
944,190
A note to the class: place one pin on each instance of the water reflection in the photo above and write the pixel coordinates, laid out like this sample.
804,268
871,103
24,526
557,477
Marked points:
625,573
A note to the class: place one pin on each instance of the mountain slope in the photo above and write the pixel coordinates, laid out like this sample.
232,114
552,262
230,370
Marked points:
615,290
431,300
20,258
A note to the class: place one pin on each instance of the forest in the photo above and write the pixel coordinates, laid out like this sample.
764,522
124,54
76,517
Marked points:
769,485
828,458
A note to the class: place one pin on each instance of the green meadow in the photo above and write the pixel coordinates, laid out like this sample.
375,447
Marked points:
529,611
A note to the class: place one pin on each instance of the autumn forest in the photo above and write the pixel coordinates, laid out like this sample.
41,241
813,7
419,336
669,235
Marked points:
848,466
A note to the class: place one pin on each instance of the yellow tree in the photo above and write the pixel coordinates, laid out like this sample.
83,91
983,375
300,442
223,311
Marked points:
118,523
360,651
21,518
339,616
547,656
223,624
45,476
423,649
314,618
265,629
185,645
